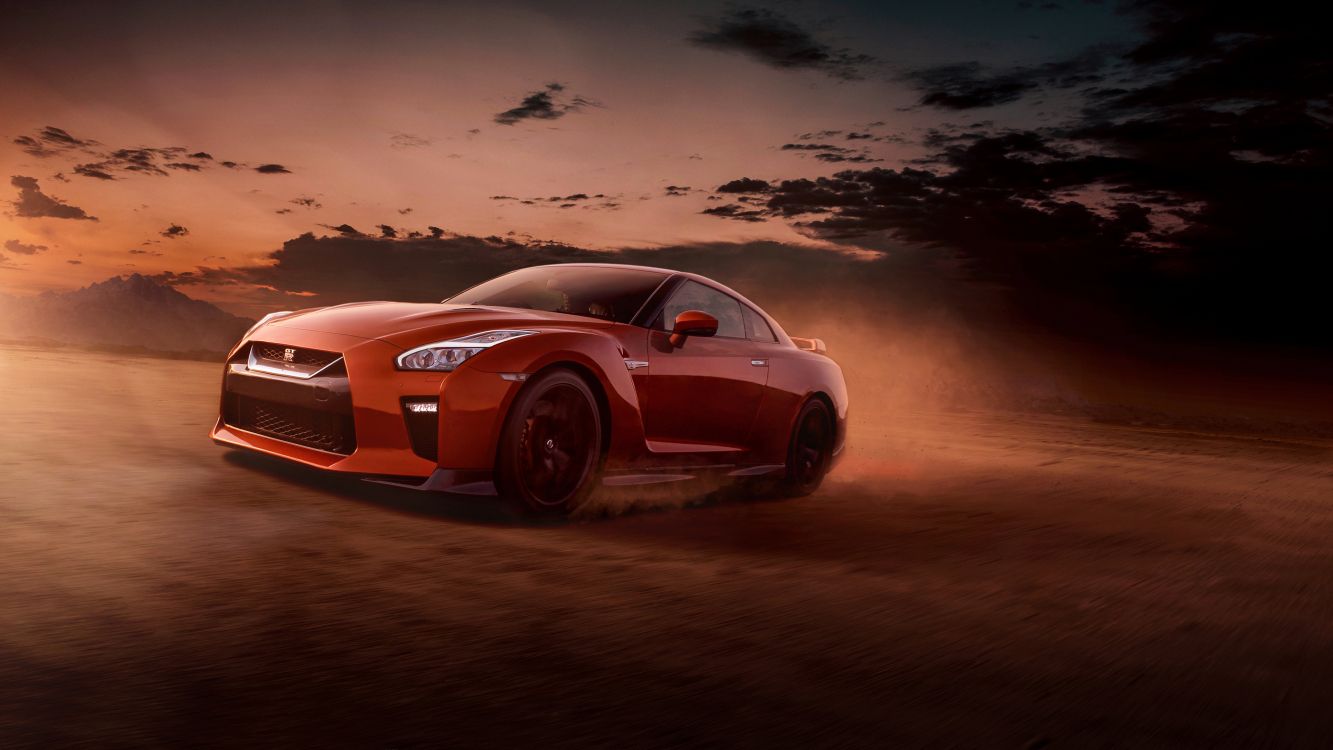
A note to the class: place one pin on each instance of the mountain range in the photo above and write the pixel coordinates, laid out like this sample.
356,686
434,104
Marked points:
131,312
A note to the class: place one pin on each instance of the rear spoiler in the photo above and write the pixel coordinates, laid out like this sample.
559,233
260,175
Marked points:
810,345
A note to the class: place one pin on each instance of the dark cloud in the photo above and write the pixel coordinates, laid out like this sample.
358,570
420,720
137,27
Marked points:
94,171
550,103
775,40
810,147
174,231
387,231
74,262
348,268
404,211
20,248
843,156
830,153
737,212
676,191
968,86
272,169
306,202
33,203
107,164
971,85
346,230
52,141
744,185
1186,207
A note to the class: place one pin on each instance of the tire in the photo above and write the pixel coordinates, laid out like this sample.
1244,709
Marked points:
810,451
550,449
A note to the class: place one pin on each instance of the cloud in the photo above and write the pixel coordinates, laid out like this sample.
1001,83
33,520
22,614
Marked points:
306,202
407,140
404,211
776,41
744,185
387,231
33,203
1202,179
346,230
110,164
74,262
550,103
174,231
737,212
51,141
676,191
970,85
94,171
20,248
831,153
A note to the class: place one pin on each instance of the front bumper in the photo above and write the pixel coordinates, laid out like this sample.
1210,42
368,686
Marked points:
368,392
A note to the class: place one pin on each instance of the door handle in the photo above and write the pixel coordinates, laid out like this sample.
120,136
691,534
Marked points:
759,362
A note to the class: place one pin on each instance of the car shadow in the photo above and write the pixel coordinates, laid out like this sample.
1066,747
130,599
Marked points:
481,510
441,505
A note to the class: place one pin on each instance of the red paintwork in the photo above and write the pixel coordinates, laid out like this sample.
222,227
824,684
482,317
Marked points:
700,403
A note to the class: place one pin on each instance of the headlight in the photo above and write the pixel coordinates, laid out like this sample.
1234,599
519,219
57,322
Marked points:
444,356
265,319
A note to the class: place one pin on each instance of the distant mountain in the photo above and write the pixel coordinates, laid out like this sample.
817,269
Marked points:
124,311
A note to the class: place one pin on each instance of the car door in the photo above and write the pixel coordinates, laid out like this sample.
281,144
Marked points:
704,394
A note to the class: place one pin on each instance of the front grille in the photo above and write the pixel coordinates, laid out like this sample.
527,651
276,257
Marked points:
321,430
304,357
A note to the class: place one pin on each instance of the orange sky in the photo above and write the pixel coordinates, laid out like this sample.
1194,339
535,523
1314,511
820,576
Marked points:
335,93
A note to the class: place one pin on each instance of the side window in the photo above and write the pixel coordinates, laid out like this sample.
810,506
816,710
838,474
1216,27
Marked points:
692,295
760,330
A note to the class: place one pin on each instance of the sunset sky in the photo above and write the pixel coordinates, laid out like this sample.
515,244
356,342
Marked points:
163,138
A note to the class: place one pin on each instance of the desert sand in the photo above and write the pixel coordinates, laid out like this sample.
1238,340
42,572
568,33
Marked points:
968,579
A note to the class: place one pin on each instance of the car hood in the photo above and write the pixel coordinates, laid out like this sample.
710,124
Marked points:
410,324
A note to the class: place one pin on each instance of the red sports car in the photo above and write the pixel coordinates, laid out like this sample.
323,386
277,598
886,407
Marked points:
539,385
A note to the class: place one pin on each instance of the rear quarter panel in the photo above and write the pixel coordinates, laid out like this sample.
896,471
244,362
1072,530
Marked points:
793,377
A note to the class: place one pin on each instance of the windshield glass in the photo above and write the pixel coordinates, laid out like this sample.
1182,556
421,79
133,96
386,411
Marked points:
606,293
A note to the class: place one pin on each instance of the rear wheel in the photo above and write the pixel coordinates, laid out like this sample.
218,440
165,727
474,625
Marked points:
550,448
811,449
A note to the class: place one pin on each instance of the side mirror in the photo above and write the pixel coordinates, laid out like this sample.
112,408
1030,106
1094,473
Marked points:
692,323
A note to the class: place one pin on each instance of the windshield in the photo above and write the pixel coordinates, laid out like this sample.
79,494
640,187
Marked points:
606,293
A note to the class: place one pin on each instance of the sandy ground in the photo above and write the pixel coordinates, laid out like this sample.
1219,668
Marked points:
964,580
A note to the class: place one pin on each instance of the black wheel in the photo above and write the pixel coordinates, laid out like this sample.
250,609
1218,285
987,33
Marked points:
811,449
550,448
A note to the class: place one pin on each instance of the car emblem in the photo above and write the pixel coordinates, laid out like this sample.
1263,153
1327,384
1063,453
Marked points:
288,355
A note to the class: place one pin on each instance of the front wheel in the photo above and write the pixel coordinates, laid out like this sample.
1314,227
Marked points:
550,448
811,449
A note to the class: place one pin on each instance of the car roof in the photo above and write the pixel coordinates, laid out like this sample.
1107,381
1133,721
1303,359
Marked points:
683,274
654,269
